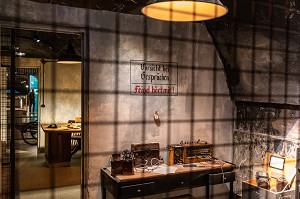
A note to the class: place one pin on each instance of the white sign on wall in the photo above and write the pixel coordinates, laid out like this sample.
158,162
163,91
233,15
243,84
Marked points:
153,78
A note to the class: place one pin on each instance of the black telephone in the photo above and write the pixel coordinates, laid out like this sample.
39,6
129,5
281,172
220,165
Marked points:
52,126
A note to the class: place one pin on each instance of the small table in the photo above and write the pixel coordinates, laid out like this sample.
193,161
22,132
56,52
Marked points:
149,183
58,144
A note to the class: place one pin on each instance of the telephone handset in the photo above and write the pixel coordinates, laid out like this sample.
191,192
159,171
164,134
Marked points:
52,126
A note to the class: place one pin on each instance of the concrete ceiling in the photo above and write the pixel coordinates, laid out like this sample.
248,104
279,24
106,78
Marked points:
258,42
123,6
37,44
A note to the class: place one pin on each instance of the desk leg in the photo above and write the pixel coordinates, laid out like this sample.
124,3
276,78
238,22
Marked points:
103,190
231,190
207,192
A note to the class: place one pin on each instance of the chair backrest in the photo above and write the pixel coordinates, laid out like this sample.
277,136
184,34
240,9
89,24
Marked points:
75,136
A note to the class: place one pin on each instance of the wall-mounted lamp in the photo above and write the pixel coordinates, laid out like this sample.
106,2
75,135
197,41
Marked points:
184,10
70,56
156,119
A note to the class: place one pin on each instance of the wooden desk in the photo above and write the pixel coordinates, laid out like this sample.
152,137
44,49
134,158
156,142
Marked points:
58,145
142,184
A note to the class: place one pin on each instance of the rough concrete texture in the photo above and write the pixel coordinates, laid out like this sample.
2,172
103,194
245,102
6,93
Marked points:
271,121
260,47
261,129
250,150
122,119
201,110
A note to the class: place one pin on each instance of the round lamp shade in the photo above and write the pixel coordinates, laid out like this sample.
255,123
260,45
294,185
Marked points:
70,56
69,59
185,10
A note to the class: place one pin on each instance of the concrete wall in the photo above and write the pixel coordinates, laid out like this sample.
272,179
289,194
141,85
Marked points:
201,110
260,130
118,120
251,37
62,93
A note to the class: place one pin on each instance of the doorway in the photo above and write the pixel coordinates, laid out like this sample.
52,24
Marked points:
57,100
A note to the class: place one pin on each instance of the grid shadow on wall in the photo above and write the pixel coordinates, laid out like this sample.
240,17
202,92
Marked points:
237,86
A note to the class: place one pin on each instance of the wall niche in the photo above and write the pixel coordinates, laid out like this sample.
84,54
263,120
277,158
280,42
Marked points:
260,128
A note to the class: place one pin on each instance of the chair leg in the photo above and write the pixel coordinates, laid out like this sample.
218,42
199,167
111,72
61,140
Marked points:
76,148
207,192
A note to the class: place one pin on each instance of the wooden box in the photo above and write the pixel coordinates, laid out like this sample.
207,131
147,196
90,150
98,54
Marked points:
189,153
276,166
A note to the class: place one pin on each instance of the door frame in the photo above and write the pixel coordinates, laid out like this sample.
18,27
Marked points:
84,32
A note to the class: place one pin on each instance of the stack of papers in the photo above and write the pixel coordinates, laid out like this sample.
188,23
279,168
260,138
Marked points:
163,169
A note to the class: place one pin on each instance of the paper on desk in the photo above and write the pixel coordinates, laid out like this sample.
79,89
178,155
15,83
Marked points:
164,169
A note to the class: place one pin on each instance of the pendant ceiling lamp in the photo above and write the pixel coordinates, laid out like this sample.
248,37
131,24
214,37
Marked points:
70,56
184,10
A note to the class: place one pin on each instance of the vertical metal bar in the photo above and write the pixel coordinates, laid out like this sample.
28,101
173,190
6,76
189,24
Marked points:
85,76
297,173
12,113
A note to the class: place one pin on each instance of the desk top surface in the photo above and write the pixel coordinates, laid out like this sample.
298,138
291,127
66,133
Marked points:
62,128
210,168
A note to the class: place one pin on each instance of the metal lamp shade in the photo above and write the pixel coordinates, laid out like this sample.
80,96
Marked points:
70,56
184,10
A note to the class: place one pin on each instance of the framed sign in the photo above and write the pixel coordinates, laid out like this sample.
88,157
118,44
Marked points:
153,78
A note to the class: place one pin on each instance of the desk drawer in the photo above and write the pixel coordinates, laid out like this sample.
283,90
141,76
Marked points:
137,190
187,180
218,178
179,182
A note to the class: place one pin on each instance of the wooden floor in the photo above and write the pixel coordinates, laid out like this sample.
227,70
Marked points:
32,172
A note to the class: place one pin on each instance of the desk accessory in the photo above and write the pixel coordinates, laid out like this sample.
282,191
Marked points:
189,152
146,154
52,126
122,163
262,180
